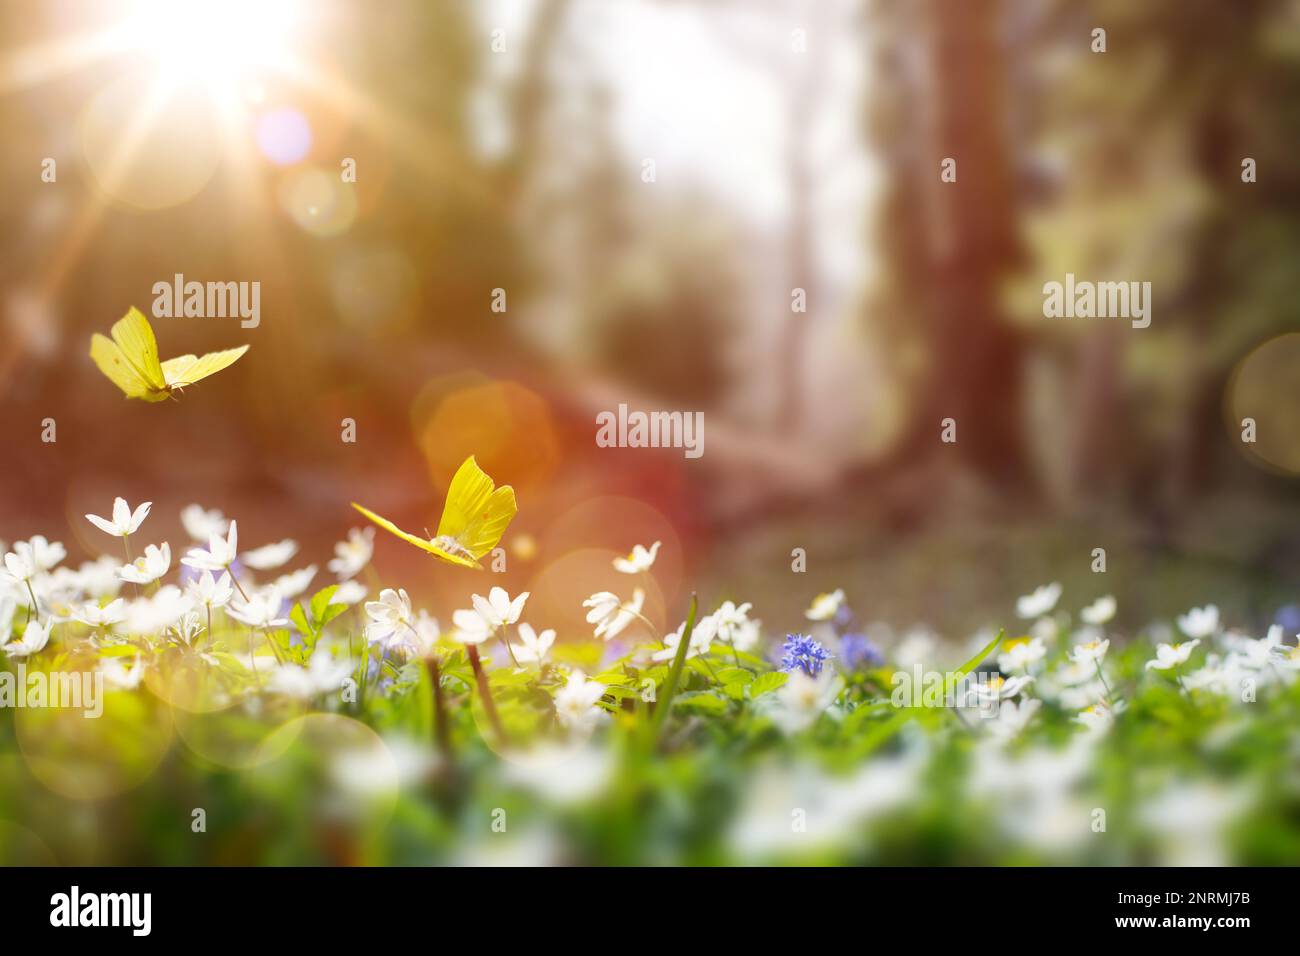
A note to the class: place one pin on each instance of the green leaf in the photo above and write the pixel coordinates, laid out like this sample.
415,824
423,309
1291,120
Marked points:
766,683
703,701
299,619
320,602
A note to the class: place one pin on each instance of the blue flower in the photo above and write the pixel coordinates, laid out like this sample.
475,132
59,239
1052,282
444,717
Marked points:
802,652
859,653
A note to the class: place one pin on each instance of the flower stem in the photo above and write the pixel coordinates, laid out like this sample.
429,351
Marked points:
239,586
34,606
674,674
505,639
441,731
480,679
1102,677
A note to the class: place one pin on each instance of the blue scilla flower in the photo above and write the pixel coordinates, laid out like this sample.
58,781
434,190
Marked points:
859,653
802,652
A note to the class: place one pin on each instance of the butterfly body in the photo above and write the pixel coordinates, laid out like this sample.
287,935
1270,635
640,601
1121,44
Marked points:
473,519
130,361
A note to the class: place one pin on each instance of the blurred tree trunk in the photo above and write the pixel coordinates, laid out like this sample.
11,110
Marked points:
941,91
977,356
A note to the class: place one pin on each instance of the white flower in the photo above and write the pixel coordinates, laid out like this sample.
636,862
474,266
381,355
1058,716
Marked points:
324,673
352,555
293,584
1200,621
1089,653
261,610
706,629
189,627
145,570
1098,717
1020,654
20,565
802,699
149,615
1040,602
1099,611
639,560
825,606
349,593
423,635
610,615
119,676
497,609
577,702
125,522
535,646
999,688
202,525
734,626
34,639
219,554
92,615
391,613
30,558
211,591
1012,718
270,556
1171,655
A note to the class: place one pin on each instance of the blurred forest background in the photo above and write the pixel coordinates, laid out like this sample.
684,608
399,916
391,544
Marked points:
796,144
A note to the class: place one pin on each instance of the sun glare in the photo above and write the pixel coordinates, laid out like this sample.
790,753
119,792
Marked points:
225,44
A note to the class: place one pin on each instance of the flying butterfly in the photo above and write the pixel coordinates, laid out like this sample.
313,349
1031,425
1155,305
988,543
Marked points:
130,360
473,519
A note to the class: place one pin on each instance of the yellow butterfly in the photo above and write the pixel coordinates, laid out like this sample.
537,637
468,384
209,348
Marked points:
473,519
130,360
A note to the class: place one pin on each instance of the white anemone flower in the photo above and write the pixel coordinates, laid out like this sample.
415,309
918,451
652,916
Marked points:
1099,611
211,591
1012,717
802,699
349,593
1199,621
1020,655
734,626
706,629
295,583
610,615
270,556
201,524
92,615
1172,655
260,611
825,606
999,688
34,639
534,647
152,565
119,676
125,522
577,703
218,555
323,674
641,559
352,555
1089,653
390,614
1040,602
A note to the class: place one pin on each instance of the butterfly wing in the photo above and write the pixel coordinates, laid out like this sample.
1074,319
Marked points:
110,360
477,512
420,543
186,369
134,337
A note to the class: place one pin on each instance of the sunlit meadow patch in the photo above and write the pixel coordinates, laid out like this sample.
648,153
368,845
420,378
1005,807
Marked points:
409,733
